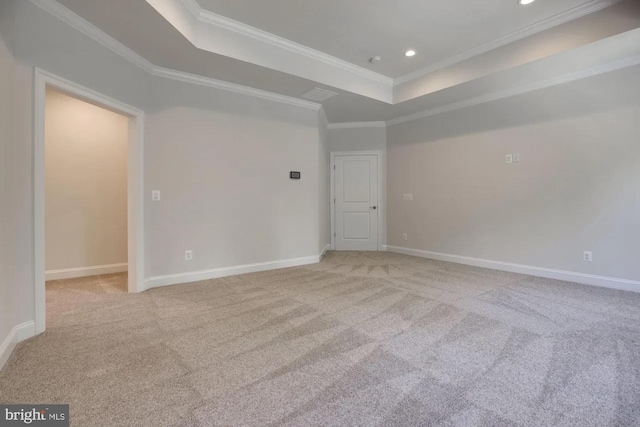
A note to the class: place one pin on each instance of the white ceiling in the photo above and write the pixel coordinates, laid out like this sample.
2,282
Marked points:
356,30
139,26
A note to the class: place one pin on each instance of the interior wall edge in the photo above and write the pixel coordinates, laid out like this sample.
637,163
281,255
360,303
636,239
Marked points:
19,333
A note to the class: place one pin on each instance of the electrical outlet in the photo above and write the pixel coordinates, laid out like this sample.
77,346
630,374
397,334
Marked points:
408,197
188,255
508,158
587,256
405,237
155,195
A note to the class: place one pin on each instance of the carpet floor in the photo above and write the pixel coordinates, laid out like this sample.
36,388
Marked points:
361,339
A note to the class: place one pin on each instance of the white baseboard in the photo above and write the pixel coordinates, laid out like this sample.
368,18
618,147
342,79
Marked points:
72,273
324,251
196,276
16,335
568,276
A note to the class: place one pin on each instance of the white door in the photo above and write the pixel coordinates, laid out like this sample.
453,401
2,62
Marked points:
356,202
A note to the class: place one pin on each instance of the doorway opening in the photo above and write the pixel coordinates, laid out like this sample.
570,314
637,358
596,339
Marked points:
87,196
356,202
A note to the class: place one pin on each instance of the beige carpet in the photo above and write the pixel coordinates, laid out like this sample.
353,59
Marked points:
359,340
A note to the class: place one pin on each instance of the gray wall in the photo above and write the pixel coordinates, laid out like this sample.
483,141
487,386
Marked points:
222,163
7,258
577,187
236,149
358,139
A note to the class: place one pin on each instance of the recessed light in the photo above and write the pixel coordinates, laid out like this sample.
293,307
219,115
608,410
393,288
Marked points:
525,2
411,52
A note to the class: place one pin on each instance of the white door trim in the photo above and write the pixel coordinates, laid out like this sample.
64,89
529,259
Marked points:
135,198
381,201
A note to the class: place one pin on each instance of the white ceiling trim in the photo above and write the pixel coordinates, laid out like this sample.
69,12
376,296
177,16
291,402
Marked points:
90,30
232,25
203,27
220,35
255,33
546,24
494,96
357,125
232,87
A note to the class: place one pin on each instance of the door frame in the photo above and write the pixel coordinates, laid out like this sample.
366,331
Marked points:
135,197
332,200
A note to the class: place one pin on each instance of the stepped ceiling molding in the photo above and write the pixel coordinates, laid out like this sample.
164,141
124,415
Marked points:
468,51
222,35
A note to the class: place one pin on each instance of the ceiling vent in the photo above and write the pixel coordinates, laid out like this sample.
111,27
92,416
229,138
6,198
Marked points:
318,95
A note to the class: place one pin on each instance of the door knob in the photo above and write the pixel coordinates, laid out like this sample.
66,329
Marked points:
374,207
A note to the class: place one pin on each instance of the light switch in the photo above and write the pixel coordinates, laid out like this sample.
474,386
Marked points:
408,197
155,195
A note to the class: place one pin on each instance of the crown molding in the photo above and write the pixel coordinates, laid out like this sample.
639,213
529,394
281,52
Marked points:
241,28
232,87
546,24
255,33
90,30
69,17
495,96
357,125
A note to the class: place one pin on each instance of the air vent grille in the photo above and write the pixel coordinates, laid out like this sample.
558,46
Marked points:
318,95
